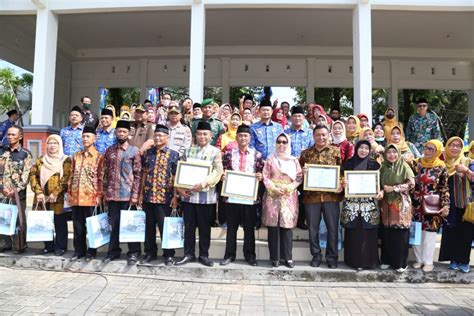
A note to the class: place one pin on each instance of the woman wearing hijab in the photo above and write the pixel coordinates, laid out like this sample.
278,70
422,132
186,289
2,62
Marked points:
364,120
229,136
457,234
224,113
352,128
282,175
396,180
114,116
151,115
339,140
376,150
316,111
126,116
408,150
49,180
379,134
390,121
431,192
360,216
279,116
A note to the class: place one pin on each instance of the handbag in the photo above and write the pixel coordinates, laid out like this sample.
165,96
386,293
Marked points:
431,204
173,231
469,213
8,218
132,225
39,225
98,229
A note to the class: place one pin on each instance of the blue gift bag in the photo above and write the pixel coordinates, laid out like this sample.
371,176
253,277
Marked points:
8,218
39,226
173,232
98,230
323,235
132,226
415,233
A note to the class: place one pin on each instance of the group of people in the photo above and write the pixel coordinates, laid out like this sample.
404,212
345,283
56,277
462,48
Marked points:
124,163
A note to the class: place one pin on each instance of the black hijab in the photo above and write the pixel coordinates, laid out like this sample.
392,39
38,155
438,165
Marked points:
357,163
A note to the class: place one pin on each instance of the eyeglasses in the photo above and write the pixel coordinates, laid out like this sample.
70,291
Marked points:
422,105
455,146
280,142
429,148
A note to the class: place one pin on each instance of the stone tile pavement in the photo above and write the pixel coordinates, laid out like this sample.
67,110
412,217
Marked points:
32,291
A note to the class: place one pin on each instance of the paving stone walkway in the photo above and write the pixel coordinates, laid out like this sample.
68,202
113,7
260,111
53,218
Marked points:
49,292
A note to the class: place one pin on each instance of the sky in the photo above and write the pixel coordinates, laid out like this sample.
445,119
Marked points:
283,94
18,70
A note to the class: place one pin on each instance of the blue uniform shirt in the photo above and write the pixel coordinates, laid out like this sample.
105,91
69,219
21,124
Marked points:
301,139
105,139
72,139
263,137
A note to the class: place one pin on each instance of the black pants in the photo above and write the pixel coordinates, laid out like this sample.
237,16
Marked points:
301,211
235,215
134,248
280,243
331,212
456,241
60,228
395,247
197,216
155,215
79,215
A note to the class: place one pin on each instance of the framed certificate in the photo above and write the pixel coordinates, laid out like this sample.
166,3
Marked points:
190,173
361,183
321,178
240,185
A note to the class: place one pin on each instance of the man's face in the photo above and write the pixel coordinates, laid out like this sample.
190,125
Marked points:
15,117
174,117
422,108
13,136
75,118
243,139
197,112
106,121
88,139
207,111
160,139
122,134
335,115
203,137
285,107
321,137
297,120
248,103
266,112
139,116
86,100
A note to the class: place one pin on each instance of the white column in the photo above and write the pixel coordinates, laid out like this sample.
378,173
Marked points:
393,95
143,79
362,51
44,70
196,62
225,62
311,78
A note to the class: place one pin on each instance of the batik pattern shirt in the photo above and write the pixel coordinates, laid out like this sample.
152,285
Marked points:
301,139
15,167
72,139
208,155
86,181
159,169
330,156
421,129
122,173
249,161
105,139
263,137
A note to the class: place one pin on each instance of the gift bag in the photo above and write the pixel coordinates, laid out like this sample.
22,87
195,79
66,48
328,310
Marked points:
39,225
469,213
415,234
323,235
132,226
98,229
173,232
67,207
8,218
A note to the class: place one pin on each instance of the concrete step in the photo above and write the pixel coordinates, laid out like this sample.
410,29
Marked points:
234,272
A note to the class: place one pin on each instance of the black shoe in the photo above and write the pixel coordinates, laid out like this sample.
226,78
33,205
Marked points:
89,257
148,259
59,252
109,258
332,265
76,257
206,261
315,262
5,249
44,251
133,259
185,260
275,264
290,264
252,262
226,261
169,261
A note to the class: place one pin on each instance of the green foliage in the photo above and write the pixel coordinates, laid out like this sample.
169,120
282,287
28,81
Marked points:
10,86
236,94
122,96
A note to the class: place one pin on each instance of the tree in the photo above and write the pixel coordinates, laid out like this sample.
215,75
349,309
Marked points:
236,94
11,86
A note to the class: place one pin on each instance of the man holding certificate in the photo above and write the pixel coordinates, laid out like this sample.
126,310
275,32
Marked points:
238,211
199,202
325,199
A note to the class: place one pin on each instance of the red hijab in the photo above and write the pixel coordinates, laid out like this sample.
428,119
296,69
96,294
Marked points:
283,121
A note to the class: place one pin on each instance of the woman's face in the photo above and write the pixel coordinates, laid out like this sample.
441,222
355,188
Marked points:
151,115
226,111
248,115
363,151
337,130
351,125
235,121
455,148
379,131
392,155
280,115
369,135
364,122
52,146
429,151
322,120
395,136
281,144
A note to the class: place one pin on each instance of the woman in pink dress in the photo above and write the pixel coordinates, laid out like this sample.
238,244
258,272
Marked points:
282,175
338,136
